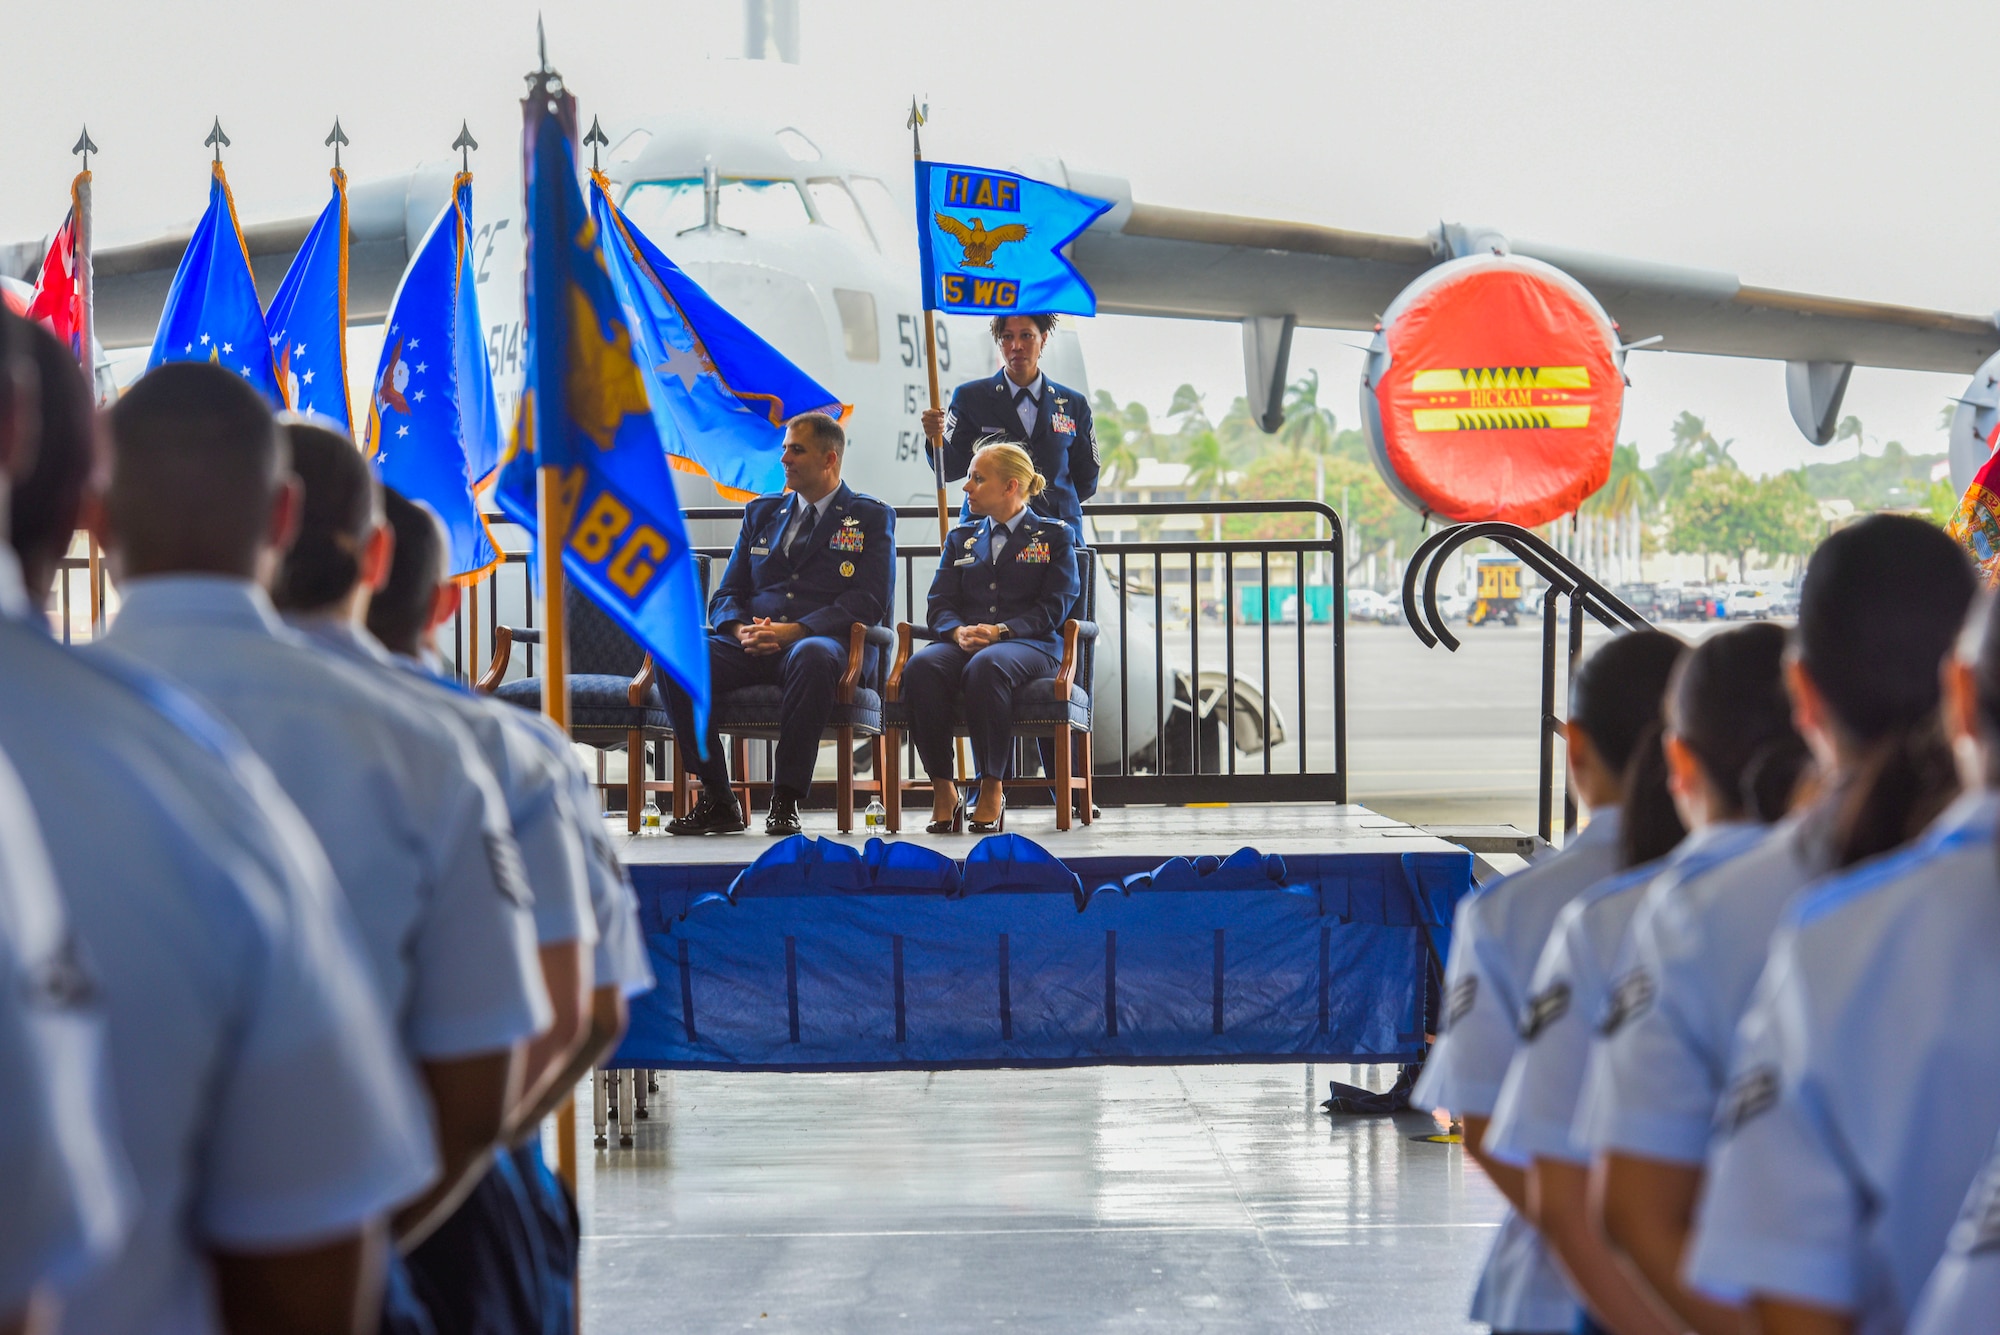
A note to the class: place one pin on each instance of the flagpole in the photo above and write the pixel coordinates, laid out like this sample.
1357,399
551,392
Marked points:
86,332
552,517
916,123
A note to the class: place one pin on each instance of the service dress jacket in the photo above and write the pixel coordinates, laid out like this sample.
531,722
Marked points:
1063,446
843,573
1031,592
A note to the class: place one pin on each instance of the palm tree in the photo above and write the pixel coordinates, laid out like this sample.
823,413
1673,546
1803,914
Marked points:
1850,429
1307,425
1116,458
1188,405
1208,467
1628,488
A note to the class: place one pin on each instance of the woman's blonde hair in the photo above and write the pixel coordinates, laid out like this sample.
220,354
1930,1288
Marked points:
1014,464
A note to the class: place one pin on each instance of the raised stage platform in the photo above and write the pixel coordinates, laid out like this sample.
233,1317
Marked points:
1155,935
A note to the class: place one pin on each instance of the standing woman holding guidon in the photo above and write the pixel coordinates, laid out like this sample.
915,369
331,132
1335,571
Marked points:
1004,583
1021,404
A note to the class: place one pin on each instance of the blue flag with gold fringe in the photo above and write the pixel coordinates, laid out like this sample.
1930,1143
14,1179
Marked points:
308,318
212,312
433,428
584,415
993,241
721,395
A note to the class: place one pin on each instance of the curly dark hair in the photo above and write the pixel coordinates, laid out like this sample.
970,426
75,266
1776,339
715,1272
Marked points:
1044,322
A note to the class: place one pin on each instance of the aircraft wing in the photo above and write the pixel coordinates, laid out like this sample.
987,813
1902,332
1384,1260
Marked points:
1145,259
386,219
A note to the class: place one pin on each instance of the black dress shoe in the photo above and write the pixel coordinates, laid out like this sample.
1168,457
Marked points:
995,826
783,818
714,813
952,824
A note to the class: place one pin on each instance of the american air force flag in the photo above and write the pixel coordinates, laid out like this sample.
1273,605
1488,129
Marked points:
721,395
585,417
993,242
212,312
308,318
433,428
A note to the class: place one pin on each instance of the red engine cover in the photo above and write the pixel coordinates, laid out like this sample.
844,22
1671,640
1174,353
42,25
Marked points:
1500,394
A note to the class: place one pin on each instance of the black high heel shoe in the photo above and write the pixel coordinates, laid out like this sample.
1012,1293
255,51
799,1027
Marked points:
994,826
956,825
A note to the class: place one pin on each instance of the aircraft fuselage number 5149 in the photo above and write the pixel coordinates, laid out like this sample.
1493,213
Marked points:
910,335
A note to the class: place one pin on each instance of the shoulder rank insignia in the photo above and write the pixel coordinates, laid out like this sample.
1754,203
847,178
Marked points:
847,569
1035,553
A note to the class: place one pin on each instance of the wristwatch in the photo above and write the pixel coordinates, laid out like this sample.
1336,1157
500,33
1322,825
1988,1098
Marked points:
1006,631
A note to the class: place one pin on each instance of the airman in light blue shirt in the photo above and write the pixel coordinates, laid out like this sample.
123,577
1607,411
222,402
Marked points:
69,1196
229,969
1861,1099
201,506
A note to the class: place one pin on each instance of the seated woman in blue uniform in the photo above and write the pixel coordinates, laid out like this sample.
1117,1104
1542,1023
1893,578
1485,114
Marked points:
1004,585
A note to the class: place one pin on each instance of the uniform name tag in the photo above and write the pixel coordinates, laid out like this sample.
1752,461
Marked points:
1035,553
966,561
760,551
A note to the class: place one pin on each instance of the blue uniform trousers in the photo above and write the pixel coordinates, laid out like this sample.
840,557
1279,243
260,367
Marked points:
809,671
940,673
482,1272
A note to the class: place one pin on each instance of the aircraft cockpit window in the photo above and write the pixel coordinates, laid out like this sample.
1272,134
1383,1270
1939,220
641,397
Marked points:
797,146
837,209
891,222
665,209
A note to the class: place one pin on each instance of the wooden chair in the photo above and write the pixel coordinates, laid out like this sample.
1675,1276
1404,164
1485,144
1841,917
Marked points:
615,700
1056,707
755,712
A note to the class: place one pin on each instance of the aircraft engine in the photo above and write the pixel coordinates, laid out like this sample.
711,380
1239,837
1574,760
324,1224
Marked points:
1493,391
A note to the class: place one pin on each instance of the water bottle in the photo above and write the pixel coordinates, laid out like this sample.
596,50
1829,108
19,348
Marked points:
649,819
875,818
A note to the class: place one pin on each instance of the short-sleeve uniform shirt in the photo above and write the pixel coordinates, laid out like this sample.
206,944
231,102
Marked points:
410,817
1864,1083
551,847
1963,1295
1497,935
240,1012
1698,944
69,1196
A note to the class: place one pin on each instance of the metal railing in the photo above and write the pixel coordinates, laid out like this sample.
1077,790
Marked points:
1566,581
1206,643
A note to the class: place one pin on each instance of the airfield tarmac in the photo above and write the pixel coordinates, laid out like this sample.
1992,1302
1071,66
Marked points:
1189,1198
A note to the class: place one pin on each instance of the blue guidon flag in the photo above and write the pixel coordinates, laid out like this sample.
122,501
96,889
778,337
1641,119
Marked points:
433,429
721,395
992,242
585,418
308,317
212,312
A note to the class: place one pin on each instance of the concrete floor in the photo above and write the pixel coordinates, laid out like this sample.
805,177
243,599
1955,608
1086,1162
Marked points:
1156,1199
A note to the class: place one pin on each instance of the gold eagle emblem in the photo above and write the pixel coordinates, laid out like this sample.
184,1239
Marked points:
977,242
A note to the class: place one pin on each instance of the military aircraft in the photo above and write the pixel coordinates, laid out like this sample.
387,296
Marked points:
817,253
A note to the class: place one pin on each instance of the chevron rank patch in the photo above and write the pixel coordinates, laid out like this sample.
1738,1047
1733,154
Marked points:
1459,1001
1750,1096
1544,1009
1630,998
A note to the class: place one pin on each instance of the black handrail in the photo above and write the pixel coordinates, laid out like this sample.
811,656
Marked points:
1565,579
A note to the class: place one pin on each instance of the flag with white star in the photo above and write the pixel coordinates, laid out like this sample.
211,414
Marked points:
212,312
433,427
721,395
308,318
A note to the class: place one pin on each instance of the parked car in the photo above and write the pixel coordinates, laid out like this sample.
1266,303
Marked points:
1748,604
1368,605
1641,598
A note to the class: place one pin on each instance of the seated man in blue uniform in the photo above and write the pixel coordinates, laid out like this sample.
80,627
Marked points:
1051,421
1004,585
810,562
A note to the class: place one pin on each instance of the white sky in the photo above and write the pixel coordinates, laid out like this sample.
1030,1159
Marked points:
1832,148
